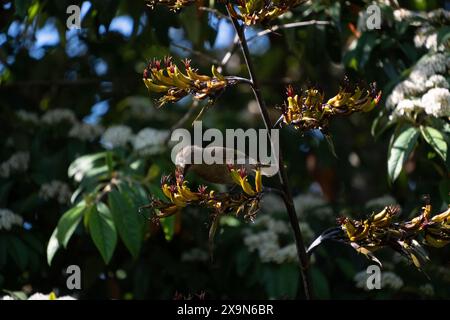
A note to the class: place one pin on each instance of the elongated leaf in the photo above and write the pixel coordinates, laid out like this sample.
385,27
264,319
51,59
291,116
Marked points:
103,231
18,252
320,283
3,250
127,221
68,223
400,151
443,35
52,247
32,241
84,163
436,140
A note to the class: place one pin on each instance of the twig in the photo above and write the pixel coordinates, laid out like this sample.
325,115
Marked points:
230,53
288,26
197,53
234,47
287,195
214,11
182,121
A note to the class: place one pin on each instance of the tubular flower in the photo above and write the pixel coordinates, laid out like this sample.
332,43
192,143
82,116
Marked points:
167,79
260,11
309,111
173,5
381,230
179,195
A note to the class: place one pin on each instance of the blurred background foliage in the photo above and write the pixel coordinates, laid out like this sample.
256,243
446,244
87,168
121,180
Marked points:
77,122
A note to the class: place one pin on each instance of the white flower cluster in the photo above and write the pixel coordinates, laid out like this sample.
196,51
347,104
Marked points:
8,219
117,136
85,131
79,130
56,190
312,204
18,162
267,242
403,14
41,296
388,279
146,142
195,254
56,116
150,141
27,116
424,90
427,37
427,289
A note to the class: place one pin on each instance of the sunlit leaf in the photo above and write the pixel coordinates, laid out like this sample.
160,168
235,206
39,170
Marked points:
103,231
127,220
436,140
401,149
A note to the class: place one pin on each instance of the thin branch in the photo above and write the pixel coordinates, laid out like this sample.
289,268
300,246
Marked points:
230,53
234,47
197,53
214,11
182,121
288,26
38,83
282,174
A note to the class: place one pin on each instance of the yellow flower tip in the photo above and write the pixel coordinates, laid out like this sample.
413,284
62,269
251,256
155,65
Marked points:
235,176
245,185
166,190
258,180
179,200
52,296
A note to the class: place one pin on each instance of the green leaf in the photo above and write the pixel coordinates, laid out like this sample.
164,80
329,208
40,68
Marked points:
109,162
21,7
84,164
346,268
3,250
243,261
32,241
18,252
68,223
16,295
401,149
280,281
436,140
103,231
443,35
127,220
320,284
288,276
52,247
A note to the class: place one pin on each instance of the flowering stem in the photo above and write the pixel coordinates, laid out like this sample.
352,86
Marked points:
287,195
